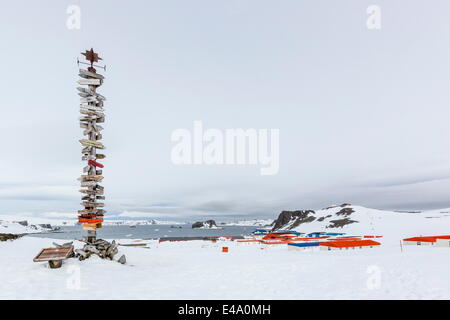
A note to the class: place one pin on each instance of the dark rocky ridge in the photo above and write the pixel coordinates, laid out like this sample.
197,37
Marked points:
323,218
293,219
340,223
342,206
345,212
300,216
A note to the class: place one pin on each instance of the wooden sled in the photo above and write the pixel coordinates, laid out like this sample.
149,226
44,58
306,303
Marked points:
54,256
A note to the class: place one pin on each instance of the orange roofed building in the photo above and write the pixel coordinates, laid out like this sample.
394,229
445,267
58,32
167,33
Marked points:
348,244
440,241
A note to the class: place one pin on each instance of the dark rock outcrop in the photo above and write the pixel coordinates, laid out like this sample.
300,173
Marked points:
298,217
46,226
8,236
338,217
335,206
205,224
345,212
340,223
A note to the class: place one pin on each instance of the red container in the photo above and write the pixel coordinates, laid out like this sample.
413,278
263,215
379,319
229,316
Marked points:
224,249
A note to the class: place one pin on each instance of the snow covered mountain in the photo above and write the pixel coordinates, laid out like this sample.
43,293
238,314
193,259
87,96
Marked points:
140,222
22,227
360,220
250,223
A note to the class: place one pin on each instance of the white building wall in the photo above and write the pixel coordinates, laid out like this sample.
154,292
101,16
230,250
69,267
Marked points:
443,242
418,243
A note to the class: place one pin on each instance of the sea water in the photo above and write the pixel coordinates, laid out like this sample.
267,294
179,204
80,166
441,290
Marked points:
146,232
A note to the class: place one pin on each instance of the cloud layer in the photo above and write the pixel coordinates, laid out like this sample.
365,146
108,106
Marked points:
362,114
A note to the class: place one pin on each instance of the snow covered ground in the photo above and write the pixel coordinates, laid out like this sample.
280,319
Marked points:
199,270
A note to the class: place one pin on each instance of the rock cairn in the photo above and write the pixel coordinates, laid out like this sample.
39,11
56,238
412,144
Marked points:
101,248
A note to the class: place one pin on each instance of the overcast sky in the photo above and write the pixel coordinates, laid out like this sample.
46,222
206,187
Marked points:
363,114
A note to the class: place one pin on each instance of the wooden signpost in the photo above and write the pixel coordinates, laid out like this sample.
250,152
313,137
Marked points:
92,193
92,113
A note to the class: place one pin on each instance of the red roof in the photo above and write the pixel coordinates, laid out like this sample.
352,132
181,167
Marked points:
426,239
306,239
350,243
344,239
278,236
276,242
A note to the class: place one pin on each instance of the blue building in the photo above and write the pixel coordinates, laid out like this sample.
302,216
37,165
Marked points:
302,246
296,233
260,232
315,234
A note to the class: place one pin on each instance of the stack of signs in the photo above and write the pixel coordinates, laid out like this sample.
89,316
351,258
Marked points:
92,114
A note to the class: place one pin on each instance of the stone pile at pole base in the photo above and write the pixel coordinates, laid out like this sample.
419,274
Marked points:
101,248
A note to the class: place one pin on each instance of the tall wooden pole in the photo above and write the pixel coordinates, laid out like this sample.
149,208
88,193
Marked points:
92,113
